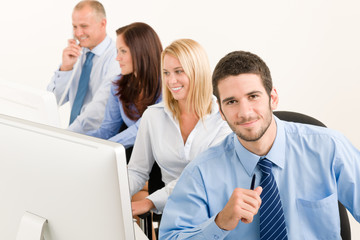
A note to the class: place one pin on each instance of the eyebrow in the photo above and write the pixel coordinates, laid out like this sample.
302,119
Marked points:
254,92
177,68
248,94
227,99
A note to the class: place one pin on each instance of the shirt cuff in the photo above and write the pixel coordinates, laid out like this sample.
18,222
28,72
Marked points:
212,231
62,74
159,200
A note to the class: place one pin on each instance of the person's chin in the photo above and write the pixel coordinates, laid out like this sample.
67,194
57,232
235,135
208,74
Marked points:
86,44
125,73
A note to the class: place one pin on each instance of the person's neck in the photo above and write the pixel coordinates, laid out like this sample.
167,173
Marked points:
262,146
183,107
185,112
102,39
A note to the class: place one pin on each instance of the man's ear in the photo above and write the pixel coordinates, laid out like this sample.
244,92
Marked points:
220,111
274,101
103,23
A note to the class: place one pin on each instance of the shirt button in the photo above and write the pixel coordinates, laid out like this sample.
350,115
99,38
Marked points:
216,237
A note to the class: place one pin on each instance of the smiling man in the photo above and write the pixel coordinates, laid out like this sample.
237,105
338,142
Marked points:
86,84
301,170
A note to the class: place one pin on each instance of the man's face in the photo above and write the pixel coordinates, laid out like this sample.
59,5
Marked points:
246,106
88,28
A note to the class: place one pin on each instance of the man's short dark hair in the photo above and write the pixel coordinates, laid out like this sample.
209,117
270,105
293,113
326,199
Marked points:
238,62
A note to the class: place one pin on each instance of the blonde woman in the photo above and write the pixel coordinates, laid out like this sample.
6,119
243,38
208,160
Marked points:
175,131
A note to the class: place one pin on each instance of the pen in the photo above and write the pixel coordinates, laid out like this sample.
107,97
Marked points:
252,186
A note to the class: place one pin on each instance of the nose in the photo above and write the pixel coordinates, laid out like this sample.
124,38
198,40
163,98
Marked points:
118,57
171,79
78,32
244,110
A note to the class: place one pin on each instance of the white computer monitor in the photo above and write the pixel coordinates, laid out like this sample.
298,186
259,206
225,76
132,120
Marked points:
28,103
77,183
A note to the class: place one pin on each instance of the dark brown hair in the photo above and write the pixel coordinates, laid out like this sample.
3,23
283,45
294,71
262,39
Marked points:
239,62
142,87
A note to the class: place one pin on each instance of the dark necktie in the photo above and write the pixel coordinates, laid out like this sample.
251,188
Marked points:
272,220
82,87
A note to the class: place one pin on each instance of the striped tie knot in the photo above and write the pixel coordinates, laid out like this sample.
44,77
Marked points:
265,165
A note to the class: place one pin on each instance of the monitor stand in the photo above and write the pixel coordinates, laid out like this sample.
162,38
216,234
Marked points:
31,227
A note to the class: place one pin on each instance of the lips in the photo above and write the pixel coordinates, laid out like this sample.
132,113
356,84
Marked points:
82,38
247,122
176,88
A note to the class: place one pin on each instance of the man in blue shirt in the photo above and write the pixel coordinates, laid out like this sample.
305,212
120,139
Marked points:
313,168
89,28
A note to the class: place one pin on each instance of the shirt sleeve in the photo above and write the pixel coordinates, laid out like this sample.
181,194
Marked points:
347,173
186,214
218,134
142,159
92,114
113,120
160,196
58,84
128,136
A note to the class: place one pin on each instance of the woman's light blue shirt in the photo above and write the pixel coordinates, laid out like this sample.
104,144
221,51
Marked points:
113,120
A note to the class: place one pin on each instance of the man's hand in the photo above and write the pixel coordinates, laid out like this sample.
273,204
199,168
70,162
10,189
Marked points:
70,55
243,205
141,207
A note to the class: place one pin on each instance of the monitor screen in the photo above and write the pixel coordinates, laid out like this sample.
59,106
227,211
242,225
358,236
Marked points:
28,103
79,184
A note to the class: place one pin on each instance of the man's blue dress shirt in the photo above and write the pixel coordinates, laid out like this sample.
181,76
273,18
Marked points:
113,119
105,68
313,168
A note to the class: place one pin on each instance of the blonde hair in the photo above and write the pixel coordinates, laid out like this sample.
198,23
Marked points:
96,6
195,63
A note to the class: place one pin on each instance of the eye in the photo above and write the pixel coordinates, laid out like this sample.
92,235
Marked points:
179,71
230,102
253,97
166,73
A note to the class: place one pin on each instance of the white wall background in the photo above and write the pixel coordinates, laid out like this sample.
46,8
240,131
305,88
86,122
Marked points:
311,46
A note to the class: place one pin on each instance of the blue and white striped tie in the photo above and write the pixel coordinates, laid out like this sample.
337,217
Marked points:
272,220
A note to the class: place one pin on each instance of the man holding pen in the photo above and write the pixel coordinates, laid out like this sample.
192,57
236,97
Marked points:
301,170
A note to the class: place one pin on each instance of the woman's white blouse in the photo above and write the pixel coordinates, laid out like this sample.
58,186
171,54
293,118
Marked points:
159,139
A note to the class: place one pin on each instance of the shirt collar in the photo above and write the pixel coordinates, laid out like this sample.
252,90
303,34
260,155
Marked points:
276,154
277,151
100,48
